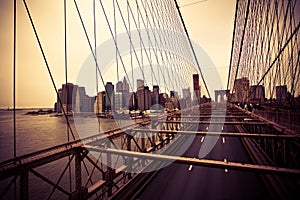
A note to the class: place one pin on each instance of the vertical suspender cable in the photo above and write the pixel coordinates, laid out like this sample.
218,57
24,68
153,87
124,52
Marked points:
66,60
14,76
14,89
115,36
66,74
95,46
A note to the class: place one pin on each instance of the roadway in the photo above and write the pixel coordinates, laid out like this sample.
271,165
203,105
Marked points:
178,181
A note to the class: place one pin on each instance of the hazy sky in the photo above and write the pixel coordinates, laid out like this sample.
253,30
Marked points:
209,24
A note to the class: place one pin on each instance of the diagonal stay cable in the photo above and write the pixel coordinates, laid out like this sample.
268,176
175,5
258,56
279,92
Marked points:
232,44
47,65
115,42
242,40
142,42
192,48
150,42
279,54
91,48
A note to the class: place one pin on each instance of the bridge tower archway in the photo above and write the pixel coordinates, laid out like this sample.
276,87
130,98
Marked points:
221,95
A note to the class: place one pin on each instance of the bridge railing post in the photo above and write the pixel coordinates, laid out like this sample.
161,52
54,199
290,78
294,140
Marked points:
78,181
80,191
129,160
24,186
109,177
143,141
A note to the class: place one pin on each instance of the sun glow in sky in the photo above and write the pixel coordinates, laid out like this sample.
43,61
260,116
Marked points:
210,25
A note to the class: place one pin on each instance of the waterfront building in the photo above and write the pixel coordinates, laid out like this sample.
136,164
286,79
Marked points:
118,101
58,105
65,94
83,103
144,98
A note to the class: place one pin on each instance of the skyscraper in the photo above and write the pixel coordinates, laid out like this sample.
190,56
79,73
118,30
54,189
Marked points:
82,103
139,84
109,100
119,86
99,105
131,100
65,94
186,94
144,98
58,105
155,95
196,88
125,85
118,101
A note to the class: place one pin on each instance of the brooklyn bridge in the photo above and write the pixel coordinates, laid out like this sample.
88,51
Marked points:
153,127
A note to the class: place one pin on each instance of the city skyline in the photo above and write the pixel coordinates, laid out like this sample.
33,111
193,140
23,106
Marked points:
72,97
124,99
49,24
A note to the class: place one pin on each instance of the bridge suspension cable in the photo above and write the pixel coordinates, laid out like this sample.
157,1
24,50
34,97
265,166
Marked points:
265,49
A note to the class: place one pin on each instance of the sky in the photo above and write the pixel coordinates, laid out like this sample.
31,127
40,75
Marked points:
209,23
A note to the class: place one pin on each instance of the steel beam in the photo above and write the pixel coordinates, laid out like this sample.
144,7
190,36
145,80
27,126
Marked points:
276,126
23,165
224,134
212,122
202,162
215,116
24,186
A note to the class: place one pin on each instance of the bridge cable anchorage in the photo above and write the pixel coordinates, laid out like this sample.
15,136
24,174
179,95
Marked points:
48,67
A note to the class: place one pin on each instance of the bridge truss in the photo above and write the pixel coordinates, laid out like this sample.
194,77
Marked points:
82,176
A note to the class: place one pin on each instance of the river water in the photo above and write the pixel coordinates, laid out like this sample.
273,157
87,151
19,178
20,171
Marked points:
33,133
